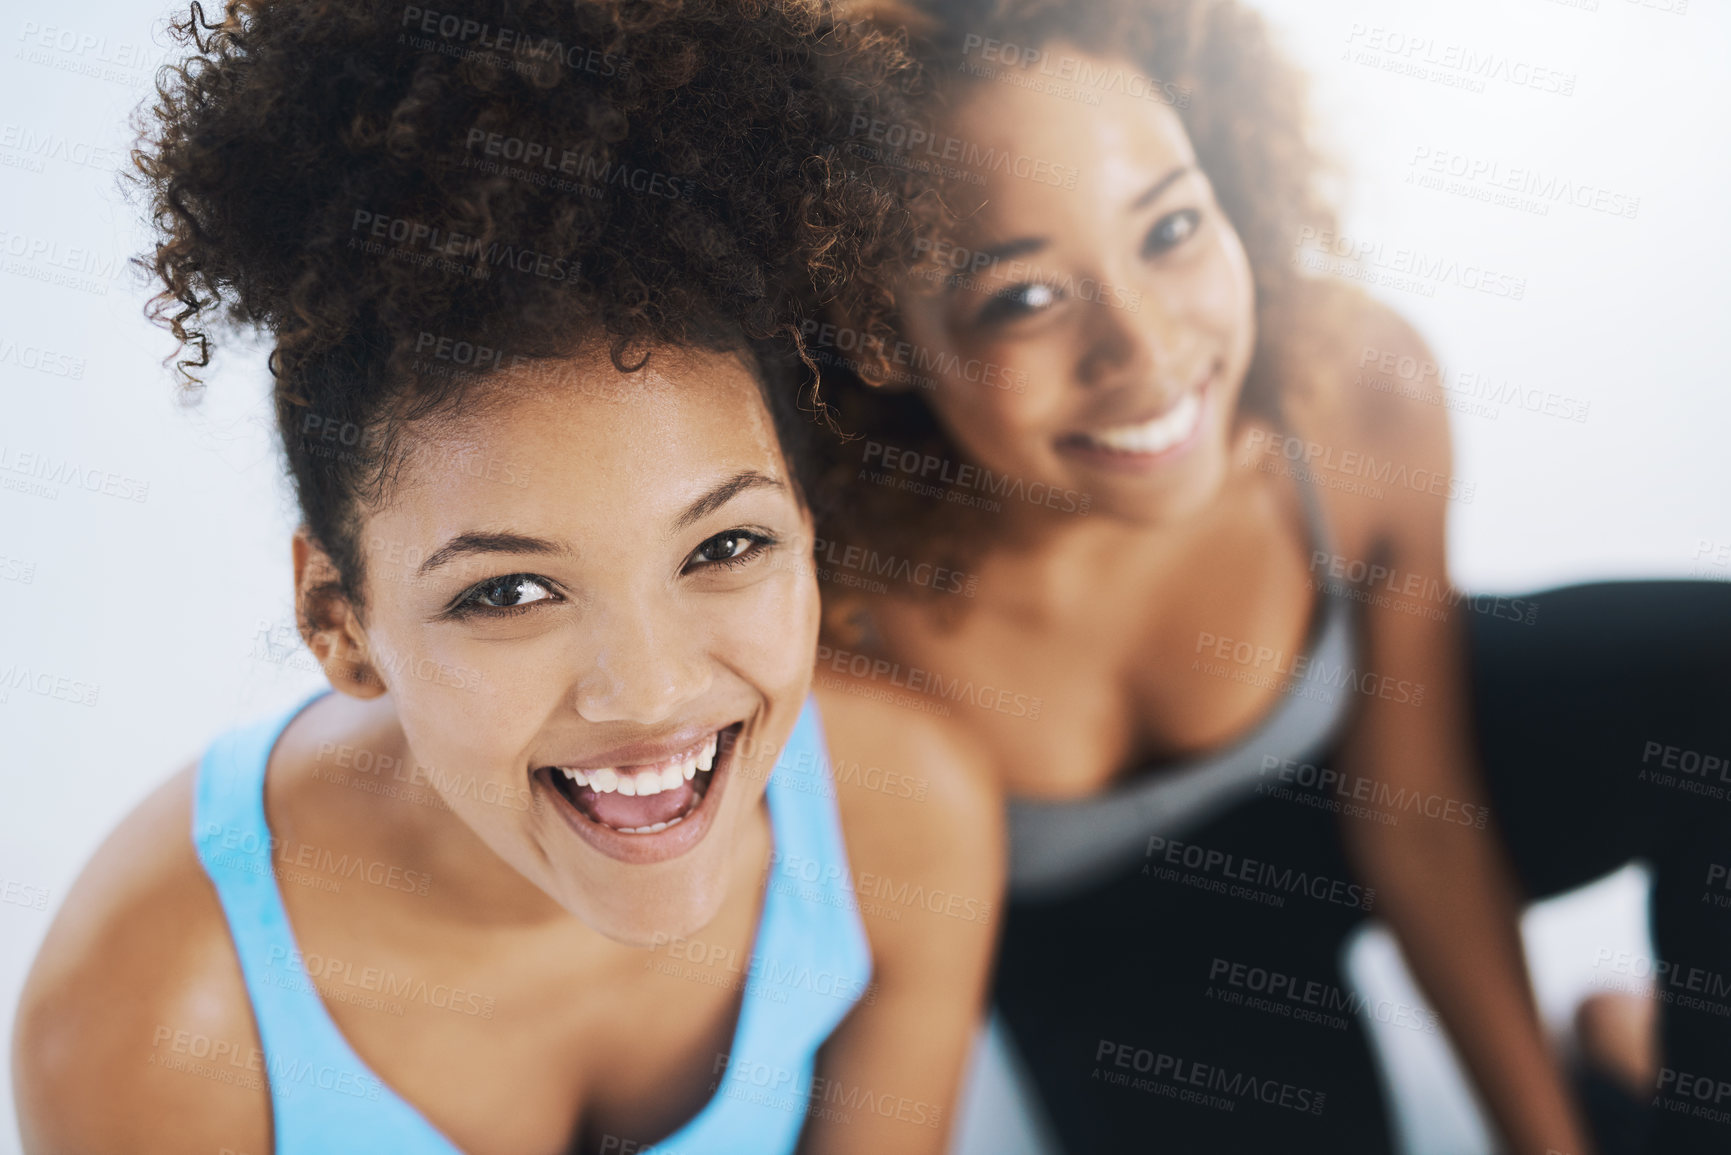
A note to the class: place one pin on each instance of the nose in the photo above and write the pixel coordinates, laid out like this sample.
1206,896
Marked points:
1133,341
642,667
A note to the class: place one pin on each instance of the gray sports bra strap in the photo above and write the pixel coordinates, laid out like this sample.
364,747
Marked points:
1057,848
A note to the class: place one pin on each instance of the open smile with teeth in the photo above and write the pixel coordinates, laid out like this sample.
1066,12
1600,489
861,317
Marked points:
1153,436
641,799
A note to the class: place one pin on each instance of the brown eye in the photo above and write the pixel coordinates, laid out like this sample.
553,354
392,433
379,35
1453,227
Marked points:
1170,231
505,592
734,547
1016,301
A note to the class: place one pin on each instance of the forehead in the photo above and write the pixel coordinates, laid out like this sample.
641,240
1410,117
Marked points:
575,446
1082,157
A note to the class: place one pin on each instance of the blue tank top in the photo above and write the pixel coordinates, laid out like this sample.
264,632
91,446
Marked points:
810,963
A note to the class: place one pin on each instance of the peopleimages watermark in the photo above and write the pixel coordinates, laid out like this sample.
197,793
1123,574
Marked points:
964,266
813,773
1254,664
1220,1089
1307,1000
1063,74
772,1085
336,438
23,894
1327,253
1342,791
1690,771
13,569
446,250
921,474
891,896
39,474
1359,464
1697,1095
1450,64
924,148
344,764
41,359
88,54
908,363
48,261
515,47
244,849
983,695
37,147
1711,560
1388,587
1718,878
1461,390
860,567
22,677
379,981
718,964
1232,869
1678,984
223,1061
1521,187
564,169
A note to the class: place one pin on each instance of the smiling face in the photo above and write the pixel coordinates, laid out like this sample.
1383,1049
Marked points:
589,592
1122,306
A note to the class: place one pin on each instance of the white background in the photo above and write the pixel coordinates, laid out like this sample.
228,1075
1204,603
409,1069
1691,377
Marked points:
176,607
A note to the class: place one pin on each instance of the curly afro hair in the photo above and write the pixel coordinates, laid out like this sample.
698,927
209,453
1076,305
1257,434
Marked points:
375,185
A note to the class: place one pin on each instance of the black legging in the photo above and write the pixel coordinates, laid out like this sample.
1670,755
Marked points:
1178,1009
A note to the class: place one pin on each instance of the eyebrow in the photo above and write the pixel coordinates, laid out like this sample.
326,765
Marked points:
1154,190
506,541
1023,245
503,541
720,495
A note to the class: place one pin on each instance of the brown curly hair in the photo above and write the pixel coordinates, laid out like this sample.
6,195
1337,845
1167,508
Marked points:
1243,106
366,181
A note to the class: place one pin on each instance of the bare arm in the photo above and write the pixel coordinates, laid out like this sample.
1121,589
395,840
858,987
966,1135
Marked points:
1442,882
892,1070
134,1035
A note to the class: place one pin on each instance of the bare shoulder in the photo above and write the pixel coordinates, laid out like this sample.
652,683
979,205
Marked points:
134,1033
1375,414
1382,387
921,813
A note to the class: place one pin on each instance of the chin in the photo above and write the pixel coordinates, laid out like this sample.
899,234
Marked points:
651,922
1163,499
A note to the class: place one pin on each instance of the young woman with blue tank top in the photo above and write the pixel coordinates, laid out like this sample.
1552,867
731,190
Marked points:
1196,532
567,862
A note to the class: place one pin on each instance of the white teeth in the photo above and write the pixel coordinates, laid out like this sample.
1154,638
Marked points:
607,780
1157,435
656,829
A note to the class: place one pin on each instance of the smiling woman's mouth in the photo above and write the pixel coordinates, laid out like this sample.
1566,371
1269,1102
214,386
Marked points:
644,798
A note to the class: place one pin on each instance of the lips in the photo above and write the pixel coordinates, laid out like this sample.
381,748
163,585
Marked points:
645,811
1147,442
645,798
1155,435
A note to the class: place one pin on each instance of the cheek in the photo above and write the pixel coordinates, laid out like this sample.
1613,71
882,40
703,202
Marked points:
1230,291
768,635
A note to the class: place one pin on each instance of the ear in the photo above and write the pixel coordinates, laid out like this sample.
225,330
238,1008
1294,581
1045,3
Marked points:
328,623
